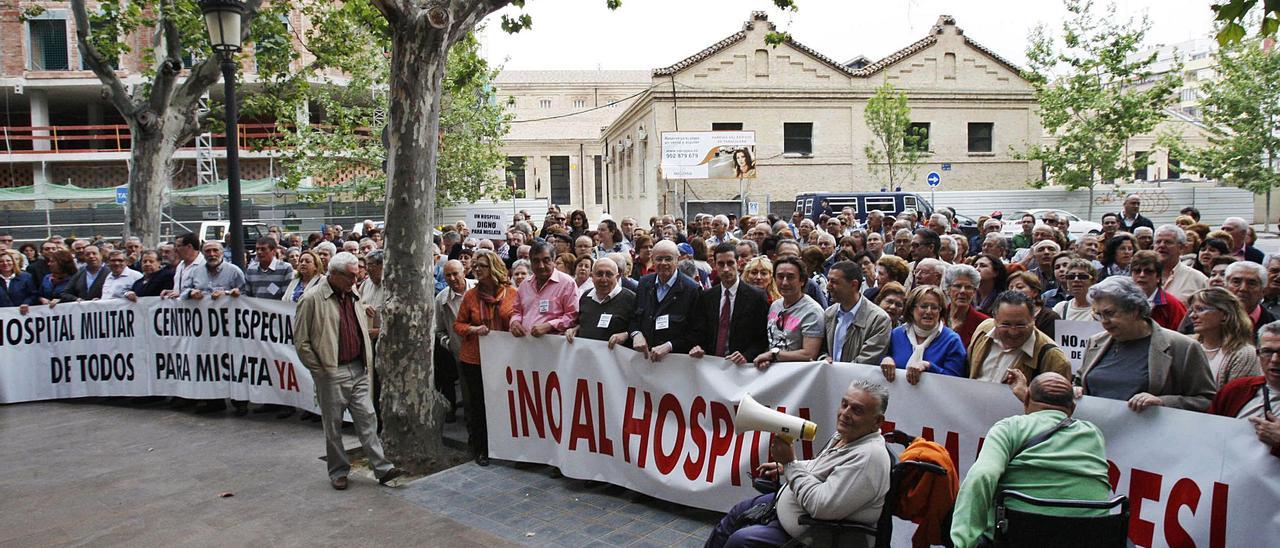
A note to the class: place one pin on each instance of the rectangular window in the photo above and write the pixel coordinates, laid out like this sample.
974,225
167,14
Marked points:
1175,169
544,103
1140,165
917,137
48,44
599,173
910,202
880,203
726,126
797,138
515,172
579,103
980,136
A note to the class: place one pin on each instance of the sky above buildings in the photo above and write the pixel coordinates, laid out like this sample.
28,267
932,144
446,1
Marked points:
646,34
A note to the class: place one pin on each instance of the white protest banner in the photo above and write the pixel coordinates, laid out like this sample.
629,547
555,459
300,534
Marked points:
708,154
1073,337
666,429
240,348
489,224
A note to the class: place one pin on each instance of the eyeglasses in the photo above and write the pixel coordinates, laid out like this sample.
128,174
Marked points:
1105,315
1013,326
1080,277
1267,353
1143,271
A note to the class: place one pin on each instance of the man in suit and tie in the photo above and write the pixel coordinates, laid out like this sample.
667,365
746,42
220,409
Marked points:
857,331
665,302
86,285
730,318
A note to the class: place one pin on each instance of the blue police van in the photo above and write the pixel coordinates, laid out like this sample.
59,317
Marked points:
891,203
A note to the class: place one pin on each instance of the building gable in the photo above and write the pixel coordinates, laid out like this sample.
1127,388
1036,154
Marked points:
743,59
946,58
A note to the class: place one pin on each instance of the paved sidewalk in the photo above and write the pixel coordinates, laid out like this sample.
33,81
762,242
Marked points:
101,474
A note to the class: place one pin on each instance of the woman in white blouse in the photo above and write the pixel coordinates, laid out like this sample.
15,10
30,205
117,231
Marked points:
1079,277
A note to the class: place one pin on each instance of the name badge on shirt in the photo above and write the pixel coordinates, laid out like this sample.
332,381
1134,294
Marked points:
544,306
663,322
604,321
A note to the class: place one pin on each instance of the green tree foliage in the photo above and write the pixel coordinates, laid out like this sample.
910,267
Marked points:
1242,111
1094,93
896,149
1233,14
345,84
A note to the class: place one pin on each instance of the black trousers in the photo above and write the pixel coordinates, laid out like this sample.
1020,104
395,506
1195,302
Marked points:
473,402
446,375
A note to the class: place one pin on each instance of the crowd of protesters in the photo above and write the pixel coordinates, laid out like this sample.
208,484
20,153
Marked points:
1186,309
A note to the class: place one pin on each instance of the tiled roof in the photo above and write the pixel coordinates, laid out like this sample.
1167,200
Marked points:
866,71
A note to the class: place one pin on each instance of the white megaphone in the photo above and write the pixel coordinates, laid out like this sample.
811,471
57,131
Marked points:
752,417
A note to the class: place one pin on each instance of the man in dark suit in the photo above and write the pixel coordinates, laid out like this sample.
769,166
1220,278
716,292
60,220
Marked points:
665,302
40,266
86,284
1130,219
741,336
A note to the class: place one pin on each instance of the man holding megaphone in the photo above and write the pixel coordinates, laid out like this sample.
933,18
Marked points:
848,480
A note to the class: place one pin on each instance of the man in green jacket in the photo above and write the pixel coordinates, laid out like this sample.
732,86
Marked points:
1070,464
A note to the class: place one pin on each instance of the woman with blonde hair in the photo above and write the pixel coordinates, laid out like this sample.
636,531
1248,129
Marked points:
1224,331
486,307
758,273
311,269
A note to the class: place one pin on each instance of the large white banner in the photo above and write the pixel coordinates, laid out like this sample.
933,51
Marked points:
709,155
666,429
239,348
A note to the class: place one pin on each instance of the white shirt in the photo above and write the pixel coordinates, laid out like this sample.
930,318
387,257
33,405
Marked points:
455,298
732,291
617,288
183,269
1068,310
1254,408
999,359
114,287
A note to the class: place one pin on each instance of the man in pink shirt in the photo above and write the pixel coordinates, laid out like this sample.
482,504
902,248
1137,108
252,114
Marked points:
547,302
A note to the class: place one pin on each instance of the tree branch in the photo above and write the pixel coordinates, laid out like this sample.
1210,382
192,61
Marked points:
170,64
392,10
119,97
207,72
468,13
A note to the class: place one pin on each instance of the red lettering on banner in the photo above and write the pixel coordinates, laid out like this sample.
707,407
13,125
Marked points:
693,468
952,444
606,444
582,427
755,449
734,479
1143,485
633,426
1218,516
1184,493
511,407
721,438
530,403
554,411
288,379
666,462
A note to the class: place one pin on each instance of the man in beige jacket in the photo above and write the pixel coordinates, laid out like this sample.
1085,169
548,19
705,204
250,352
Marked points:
332,338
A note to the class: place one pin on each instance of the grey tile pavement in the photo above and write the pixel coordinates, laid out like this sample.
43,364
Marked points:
533,505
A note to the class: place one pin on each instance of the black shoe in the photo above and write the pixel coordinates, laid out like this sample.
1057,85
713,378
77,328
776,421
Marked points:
339,483
482,460
391,474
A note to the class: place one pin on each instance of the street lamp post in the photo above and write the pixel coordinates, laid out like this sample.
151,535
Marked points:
223,17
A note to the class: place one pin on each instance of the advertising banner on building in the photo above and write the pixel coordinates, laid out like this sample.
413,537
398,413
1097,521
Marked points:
666,429
240,348
709,154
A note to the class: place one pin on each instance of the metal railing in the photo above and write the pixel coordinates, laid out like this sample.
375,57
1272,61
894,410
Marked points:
117,138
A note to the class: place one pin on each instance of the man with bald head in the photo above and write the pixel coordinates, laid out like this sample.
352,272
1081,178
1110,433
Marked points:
665,303
1043,453
1239,230
605,309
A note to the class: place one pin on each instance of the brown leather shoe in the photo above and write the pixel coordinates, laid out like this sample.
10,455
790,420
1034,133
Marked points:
391,474
339,484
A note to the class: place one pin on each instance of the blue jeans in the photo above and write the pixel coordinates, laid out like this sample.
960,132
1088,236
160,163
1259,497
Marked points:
752,536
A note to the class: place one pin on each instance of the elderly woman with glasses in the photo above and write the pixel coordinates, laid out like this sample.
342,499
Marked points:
1078,279
924,344
1223,329
1138,361
961,281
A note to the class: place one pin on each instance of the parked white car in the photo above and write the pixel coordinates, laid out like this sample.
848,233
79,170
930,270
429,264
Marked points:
1078,226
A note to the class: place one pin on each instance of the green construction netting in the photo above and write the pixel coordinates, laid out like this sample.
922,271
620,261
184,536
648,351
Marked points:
72,192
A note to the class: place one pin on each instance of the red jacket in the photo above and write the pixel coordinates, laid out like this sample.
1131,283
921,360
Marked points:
1167,311
1232,397
971,320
